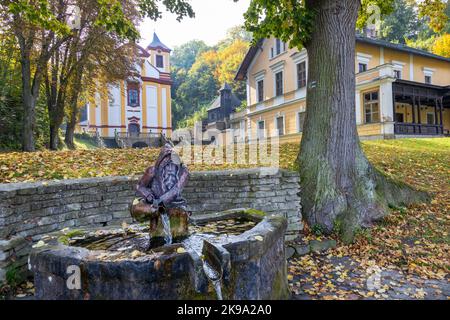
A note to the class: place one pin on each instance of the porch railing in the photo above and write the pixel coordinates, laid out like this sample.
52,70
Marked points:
418,129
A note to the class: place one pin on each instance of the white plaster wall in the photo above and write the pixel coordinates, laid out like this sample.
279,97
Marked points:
152,106
164,108
114,106
98,113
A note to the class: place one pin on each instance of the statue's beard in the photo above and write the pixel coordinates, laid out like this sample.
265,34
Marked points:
170,175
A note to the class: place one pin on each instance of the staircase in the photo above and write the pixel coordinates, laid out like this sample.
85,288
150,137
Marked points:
110,143
137,140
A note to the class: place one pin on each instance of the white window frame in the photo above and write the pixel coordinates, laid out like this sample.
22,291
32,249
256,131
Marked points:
258,130
276,124
371,103
277,67
298,58
258,90
398,66
273,50
363,58
258,77
428,72
275,84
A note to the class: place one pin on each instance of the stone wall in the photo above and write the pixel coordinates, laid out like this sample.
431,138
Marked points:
28,211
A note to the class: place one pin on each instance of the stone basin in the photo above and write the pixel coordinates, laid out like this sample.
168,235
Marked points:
251,264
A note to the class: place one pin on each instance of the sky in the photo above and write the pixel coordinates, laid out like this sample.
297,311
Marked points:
212,20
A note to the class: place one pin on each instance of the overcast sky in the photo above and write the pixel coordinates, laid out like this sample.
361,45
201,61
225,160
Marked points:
212,19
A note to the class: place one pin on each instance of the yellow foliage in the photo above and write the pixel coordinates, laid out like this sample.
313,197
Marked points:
442,46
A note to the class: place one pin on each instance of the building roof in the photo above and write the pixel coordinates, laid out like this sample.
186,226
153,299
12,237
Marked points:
399,47
242,71
251,53
157,44
225,86
235,102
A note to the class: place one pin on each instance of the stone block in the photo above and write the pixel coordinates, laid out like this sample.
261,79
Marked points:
321,246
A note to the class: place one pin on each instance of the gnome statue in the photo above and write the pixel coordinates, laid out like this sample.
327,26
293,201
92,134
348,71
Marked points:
159,196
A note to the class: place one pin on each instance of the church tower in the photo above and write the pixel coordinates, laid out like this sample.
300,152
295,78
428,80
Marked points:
159,54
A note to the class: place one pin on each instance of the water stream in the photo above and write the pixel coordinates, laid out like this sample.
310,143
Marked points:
166,226
215,277
195,243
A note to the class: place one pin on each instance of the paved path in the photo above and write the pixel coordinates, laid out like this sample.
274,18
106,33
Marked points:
321,276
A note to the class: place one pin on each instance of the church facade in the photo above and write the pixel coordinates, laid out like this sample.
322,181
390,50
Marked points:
138,105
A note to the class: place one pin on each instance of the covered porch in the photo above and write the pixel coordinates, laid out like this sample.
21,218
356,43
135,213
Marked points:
418,108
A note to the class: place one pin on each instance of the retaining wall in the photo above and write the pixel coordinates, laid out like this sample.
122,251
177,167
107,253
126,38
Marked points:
28,211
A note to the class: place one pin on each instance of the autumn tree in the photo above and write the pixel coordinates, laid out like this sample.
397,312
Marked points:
199,71
91,50
229,60
341,190
40,27
441,46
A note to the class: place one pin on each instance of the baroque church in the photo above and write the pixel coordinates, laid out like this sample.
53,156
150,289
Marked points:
138,105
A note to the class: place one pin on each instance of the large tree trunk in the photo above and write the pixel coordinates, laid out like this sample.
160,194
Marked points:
28,101
341,190
74,94
54,137
72,118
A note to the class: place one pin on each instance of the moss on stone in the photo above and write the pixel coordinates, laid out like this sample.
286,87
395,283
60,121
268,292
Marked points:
255,212
280,289
65,238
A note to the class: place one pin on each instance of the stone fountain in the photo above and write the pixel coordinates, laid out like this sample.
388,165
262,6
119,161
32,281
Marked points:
236,254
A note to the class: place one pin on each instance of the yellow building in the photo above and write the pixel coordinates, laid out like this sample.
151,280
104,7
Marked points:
400,91
138,105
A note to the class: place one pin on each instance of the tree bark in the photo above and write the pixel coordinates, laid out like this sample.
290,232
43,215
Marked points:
29,107
341,190
29,94
74,110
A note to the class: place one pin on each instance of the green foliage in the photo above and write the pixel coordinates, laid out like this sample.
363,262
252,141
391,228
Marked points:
402,24
291,20
199,71
39,14
184,56
421,43
413,27
190,121
11,111
111,16
242,107
14,275
287,20
317,230
434,10
181,8
373,10
364,233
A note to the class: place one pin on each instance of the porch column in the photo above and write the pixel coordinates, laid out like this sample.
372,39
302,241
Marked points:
413,109
419,127
387,111
436,106
441,102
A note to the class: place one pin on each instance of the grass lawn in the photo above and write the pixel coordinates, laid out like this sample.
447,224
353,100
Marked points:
413,240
